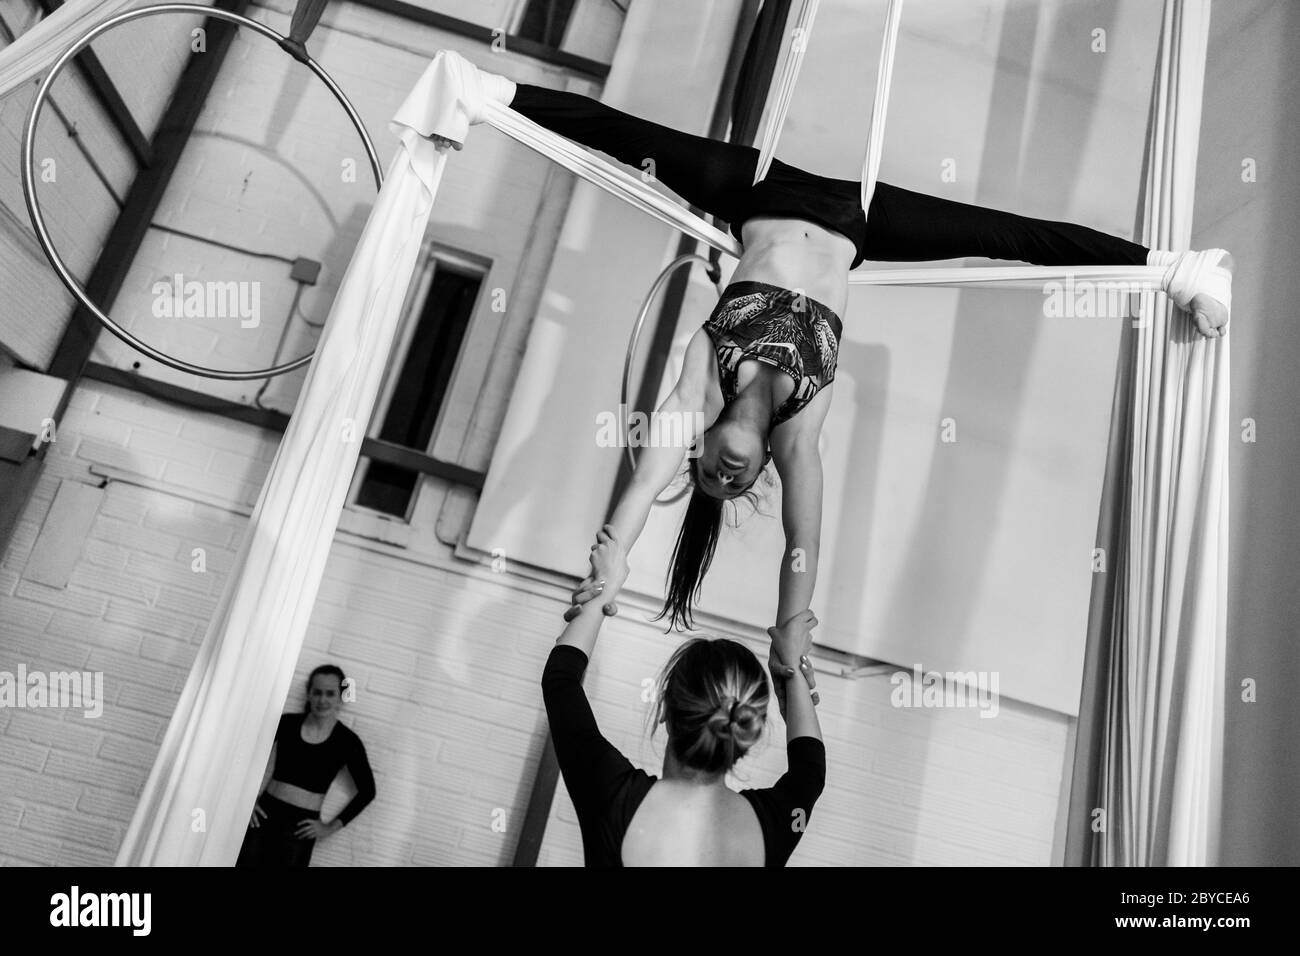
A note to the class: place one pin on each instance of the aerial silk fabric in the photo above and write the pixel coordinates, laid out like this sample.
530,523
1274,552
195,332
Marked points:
210,765
784,89
785,85
1148,772
1160,757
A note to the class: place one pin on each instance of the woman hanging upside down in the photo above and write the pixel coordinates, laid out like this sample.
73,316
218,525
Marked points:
760,368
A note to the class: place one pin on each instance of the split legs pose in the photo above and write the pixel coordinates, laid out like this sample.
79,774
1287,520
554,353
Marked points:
761,369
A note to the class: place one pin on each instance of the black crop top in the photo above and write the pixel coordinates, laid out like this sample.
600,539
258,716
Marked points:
607,790
314,766
788,191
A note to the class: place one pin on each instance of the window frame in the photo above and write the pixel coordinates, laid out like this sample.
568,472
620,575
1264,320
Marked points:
433,256
517,23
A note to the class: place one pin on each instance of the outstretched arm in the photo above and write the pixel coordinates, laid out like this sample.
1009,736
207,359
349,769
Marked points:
791,643
658,463
798,460
609,565
797,457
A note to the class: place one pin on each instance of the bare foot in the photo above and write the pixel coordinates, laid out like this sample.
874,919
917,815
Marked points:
1210,314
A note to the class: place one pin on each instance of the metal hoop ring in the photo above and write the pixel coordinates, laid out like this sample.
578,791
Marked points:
631,351
38,221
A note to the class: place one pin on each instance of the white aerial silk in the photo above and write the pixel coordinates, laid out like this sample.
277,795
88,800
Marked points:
214,753
1162,759
783,92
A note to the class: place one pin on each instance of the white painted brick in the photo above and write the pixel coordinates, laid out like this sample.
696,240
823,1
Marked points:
198,606
171,573
244,440
20,753
373,652
72,772
483,762
41,651
46,727
447,781
496,847
132,667
83,400
178,654
21,540
133,752
433,853
121,719
72,827
79,628
89,423
103,553
115,456
28,787
149,619
22,617
125,406
147,699
223,489
217,562
91,856
10,812
241,467
124,502
168,446
71,599
210,528
135,538
31,849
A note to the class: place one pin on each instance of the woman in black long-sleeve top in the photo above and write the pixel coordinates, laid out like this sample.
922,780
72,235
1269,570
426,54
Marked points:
310,749
712,700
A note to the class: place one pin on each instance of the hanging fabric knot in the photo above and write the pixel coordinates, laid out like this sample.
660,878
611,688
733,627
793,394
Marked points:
463,92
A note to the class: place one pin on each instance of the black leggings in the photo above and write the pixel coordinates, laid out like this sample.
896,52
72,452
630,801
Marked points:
274,843
903,226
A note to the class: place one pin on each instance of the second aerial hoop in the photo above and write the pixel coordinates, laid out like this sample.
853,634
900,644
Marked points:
667,272
38,220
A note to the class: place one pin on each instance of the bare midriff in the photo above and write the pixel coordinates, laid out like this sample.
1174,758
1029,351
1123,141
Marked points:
797,255
296,796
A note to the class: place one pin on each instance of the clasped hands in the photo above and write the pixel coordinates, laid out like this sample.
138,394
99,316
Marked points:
608,572
791,641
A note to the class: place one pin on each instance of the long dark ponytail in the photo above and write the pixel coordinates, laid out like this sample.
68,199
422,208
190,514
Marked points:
696,541
692,556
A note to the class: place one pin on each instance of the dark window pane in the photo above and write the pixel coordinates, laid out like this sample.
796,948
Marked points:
387,488
421,386
430,358
546,20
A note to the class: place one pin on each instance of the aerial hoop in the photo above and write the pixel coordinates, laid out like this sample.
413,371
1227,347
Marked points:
293,45
669,269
